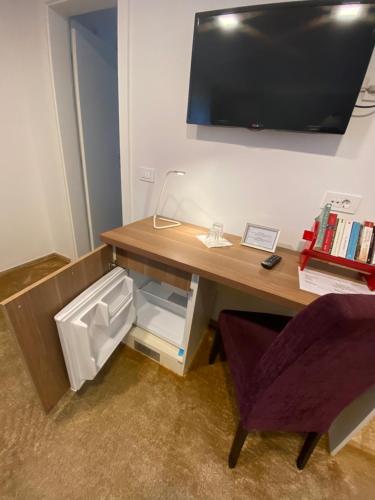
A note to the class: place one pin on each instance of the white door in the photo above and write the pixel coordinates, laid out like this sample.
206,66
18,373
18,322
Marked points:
95,82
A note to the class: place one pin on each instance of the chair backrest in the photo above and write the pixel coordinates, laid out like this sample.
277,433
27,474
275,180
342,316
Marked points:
322,360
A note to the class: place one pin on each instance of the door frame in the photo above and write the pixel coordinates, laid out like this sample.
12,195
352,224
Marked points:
69,142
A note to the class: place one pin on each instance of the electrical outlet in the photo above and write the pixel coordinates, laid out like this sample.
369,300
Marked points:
146,174
342,202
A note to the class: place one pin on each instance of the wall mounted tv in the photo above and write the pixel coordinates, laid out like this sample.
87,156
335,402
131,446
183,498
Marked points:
292,66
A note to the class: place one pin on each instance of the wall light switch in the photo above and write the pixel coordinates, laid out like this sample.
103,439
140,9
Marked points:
146,174
341,202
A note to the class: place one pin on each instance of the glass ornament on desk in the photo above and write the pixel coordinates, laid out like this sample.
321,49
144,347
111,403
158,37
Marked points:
215,237
216,232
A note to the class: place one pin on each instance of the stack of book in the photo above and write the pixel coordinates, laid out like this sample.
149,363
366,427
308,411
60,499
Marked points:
345,238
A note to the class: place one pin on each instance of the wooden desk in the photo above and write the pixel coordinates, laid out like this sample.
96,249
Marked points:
237,266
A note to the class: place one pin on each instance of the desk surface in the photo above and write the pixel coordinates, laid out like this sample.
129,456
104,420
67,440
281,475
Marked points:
237,266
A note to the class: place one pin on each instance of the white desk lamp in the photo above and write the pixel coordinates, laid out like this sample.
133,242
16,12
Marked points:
172,223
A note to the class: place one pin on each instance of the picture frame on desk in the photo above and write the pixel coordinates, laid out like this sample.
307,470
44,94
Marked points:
260,237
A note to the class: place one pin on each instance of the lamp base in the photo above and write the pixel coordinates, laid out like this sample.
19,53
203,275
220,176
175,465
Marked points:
172,223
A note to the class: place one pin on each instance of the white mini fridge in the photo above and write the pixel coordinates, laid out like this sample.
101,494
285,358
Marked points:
94,324
99,319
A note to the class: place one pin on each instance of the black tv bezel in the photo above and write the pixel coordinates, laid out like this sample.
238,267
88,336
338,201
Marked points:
269,6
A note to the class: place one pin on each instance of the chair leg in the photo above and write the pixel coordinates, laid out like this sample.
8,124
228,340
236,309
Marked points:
238,441
308,447
217,348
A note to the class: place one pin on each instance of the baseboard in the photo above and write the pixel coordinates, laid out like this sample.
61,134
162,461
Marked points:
34,262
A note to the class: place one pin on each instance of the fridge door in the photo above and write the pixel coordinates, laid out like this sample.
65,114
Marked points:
92,325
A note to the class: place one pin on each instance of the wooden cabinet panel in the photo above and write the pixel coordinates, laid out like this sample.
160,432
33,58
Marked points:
30,314
153,269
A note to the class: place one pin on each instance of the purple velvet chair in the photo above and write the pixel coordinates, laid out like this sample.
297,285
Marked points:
298,374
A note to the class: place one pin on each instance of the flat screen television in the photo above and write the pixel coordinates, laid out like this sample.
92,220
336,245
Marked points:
292,66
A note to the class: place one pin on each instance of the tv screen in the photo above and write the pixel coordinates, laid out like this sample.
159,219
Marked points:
293,66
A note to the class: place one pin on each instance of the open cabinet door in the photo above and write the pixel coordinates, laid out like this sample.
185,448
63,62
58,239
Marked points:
30,314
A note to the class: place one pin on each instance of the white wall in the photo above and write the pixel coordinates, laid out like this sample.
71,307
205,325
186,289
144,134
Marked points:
234,175
33,212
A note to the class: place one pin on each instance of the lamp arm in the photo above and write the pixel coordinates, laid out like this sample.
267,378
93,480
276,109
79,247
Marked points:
172,222
161,194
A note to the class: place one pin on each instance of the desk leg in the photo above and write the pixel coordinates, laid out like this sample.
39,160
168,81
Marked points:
217,348
199,317
351,420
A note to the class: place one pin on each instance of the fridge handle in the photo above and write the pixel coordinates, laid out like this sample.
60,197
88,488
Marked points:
119,304
105,313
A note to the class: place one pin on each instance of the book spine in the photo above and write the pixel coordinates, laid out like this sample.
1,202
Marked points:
353,241
323,220
328,237
350,243
338,237
359,244
345,238
370,257
356,241
334,235
366,241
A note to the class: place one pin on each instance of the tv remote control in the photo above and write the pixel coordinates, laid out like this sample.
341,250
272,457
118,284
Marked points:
271,261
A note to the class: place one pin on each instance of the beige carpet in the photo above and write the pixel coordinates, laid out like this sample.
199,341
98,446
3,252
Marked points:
141,432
